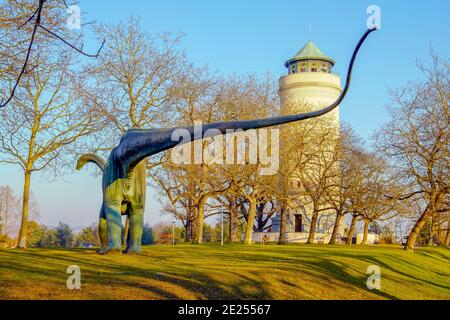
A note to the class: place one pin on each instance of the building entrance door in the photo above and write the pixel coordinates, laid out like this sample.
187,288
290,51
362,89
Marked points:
298,223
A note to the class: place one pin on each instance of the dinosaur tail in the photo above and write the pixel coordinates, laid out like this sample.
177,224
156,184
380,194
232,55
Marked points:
90,157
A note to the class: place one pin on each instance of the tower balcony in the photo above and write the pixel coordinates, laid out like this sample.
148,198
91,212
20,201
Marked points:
319,80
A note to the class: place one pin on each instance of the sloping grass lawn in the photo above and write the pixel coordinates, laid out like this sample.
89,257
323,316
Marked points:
229,272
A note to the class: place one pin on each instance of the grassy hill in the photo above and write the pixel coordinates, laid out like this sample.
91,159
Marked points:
229,272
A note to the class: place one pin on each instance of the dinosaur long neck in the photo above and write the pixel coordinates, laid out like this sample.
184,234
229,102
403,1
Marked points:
138,144
93,158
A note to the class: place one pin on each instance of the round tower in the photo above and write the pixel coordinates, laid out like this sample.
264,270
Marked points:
310,83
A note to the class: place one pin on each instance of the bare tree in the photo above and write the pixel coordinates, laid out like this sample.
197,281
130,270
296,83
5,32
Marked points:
134,78
350,147
246,99
9,211
318,178
447,234
377,200
24,22
45,117
417,137
201,184
293,159
189,186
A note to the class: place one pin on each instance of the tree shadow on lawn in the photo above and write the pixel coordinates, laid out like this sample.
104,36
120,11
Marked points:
323,266
28,266
375,261
104,271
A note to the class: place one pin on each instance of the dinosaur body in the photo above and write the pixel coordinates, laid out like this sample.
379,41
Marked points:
123,195
130,191
124,176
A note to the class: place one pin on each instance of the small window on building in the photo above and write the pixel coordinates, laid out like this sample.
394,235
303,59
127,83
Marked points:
298,227
294,69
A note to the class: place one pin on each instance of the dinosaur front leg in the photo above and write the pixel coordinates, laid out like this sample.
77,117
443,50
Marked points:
103,231
114,226
135,231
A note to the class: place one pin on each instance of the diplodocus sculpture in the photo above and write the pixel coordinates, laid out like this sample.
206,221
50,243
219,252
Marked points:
124,173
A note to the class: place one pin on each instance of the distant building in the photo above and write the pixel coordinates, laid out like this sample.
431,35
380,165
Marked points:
309,85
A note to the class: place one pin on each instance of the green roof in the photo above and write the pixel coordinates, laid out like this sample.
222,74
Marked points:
308,52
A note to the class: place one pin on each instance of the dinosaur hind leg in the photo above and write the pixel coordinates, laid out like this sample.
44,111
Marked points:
135,231
114,227
126,209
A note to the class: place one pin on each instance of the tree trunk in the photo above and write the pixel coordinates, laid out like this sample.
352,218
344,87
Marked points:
430,238
5,228
282,237
198,238
336,226
22,241
194,227
188,230
312,227
416,229
1,213
250,222
351,231
366,232
447,236
234,230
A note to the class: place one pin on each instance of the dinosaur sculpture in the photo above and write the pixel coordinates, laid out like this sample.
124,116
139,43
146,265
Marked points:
124,176
93,158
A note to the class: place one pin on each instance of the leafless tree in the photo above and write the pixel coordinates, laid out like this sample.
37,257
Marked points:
45,117
9,211
417,137
134,79
23,23
378,197
350,148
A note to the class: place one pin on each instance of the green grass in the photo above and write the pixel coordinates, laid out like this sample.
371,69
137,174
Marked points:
229,272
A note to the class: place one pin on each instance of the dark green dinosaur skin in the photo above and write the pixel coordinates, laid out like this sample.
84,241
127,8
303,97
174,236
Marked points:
124,176
134,195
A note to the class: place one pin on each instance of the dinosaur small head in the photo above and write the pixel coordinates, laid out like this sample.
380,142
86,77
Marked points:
80,163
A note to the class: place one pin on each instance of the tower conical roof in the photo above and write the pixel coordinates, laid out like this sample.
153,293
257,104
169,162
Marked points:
308,52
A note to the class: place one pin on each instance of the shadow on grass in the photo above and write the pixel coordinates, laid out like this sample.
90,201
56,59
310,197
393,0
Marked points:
33,265
50,265
399,260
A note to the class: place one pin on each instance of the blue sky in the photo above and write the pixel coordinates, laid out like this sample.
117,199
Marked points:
257,36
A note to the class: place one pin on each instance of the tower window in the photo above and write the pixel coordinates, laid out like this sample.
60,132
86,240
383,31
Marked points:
298,223
293,68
